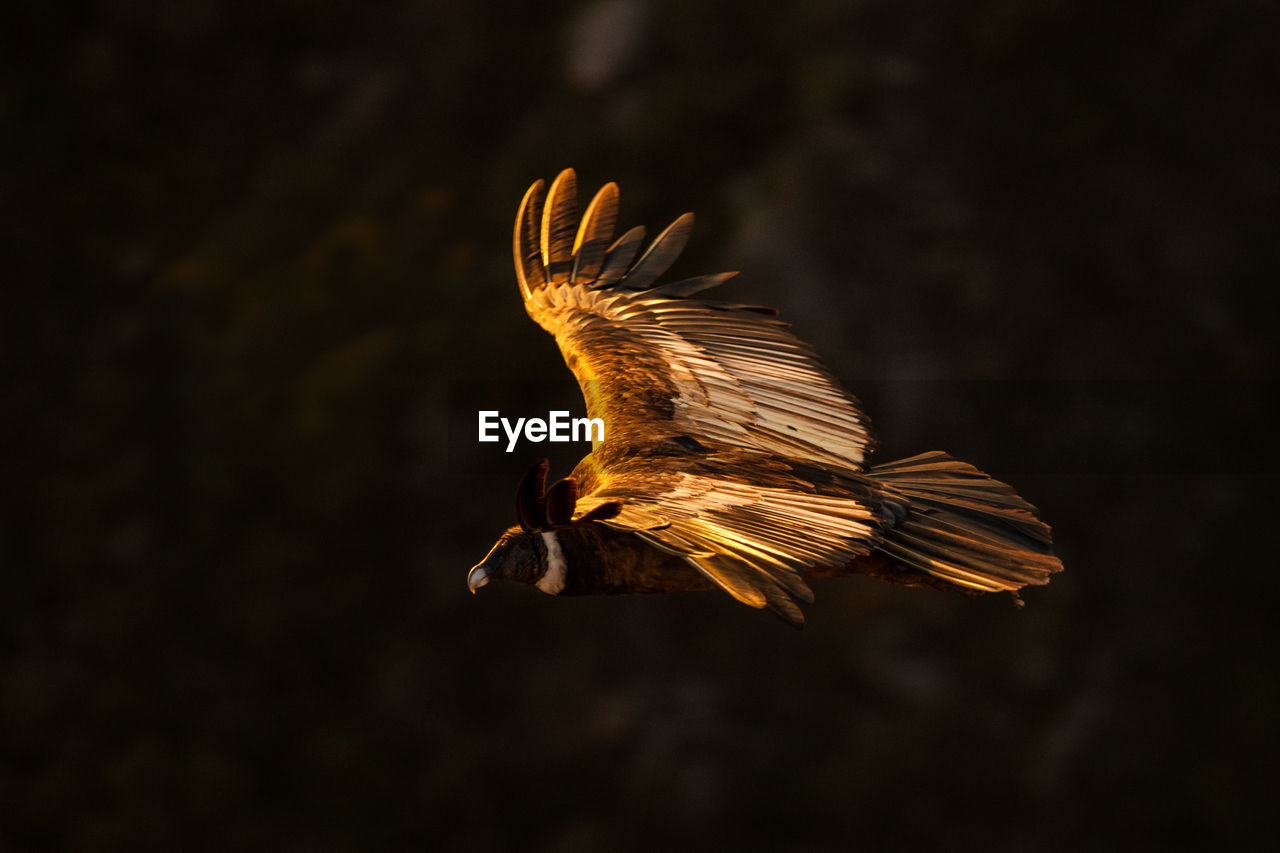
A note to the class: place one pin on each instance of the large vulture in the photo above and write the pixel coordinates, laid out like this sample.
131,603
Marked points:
731,457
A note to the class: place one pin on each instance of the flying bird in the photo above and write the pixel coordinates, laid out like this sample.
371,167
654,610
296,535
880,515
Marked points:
731,458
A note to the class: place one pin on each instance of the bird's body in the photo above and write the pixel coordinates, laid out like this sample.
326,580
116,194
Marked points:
732,458
613,562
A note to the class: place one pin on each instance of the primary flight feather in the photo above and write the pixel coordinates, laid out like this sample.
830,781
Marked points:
731,457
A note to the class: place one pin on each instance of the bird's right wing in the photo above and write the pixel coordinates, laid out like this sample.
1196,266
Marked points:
653,361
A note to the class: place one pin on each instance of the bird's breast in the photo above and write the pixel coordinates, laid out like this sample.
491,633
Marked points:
603,561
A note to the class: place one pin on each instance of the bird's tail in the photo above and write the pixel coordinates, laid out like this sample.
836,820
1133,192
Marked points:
956,524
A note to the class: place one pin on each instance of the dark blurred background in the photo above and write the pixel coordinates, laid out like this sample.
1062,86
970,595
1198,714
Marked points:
257,262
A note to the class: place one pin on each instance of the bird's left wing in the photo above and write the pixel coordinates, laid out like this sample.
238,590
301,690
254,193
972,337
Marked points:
754,526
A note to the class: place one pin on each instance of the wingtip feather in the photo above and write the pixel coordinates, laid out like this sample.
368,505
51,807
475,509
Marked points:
690,286
525,240
660,255
560,225
618,257
594,234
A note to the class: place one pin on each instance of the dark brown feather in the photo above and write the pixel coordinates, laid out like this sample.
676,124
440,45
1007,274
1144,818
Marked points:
561,499
528,256
594,235
530,501
603,512
690,286
619,257
559,225
660,255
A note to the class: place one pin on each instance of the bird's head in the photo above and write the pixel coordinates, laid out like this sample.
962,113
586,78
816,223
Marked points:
531,551
517,556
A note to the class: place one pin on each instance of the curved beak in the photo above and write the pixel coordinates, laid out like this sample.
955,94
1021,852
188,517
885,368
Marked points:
477,577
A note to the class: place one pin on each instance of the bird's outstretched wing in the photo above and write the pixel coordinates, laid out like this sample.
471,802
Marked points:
725,439
652,361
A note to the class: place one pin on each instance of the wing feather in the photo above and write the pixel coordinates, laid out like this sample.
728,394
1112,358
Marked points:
594,234
619,257
690,286
660,255
525,242
559,225
755,542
